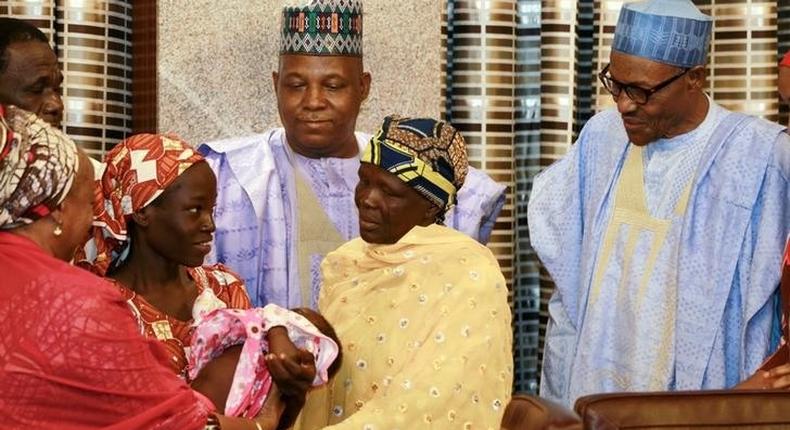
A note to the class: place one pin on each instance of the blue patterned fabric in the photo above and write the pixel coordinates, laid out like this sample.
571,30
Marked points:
722,256
255,215
428,155
673,32
676,158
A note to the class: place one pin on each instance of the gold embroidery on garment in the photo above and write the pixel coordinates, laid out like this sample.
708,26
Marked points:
316,234
631,216
630,211
162,330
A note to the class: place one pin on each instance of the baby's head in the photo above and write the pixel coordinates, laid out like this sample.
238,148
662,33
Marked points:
324,327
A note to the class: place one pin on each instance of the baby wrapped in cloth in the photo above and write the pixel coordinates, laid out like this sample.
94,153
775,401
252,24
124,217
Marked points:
219,331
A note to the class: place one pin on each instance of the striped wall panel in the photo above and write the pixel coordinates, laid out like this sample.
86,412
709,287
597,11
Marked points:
526,282
94,45
39,13
481,100
742,62
479,89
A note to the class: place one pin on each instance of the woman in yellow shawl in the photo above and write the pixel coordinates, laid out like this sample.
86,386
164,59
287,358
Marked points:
420,308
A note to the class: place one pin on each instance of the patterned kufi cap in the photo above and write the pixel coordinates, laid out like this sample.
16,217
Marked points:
38,164
323,27
138,170
672,32
426,154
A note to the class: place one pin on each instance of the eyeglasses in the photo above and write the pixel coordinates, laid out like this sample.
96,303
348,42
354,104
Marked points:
638,94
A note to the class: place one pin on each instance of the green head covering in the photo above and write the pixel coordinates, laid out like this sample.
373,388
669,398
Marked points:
323,27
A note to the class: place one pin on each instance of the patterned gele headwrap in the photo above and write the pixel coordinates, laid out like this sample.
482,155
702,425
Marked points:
426,154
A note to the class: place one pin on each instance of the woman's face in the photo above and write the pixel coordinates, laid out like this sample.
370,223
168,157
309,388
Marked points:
76,211
388,208
180,222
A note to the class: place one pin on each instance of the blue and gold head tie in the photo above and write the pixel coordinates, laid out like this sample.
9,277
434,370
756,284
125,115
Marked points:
426,154
323,27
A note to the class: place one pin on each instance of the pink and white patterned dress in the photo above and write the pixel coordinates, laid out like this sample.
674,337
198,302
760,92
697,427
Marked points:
220,329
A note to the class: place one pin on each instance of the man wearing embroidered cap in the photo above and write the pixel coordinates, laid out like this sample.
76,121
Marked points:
286,197
664,224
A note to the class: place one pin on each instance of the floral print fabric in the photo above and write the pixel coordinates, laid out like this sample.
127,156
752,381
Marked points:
217,281
223,328
425,327
38,164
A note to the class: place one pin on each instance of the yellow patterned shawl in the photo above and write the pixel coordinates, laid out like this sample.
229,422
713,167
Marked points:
426,334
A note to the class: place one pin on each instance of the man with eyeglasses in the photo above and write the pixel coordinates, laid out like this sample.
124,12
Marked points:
664,225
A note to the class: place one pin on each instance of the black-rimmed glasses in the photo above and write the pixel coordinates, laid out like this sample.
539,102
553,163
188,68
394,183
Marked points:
638,94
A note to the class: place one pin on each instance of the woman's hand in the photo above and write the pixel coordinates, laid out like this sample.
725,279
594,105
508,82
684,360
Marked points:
233,423
758,381
270,415
293,371
777,378
269,418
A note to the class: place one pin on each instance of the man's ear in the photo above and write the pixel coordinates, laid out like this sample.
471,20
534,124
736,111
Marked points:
697,77
364,84
275,78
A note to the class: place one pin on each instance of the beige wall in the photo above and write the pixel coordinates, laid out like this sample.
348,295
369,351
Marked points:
216,58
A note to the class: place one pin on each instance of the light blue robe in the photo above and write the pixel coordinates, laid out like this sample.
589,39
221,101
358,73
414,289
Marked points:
256,210
704,316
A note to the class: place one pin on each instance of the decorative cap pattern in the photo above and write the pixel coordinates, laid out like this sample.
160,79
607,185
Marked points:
322,27
672,32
